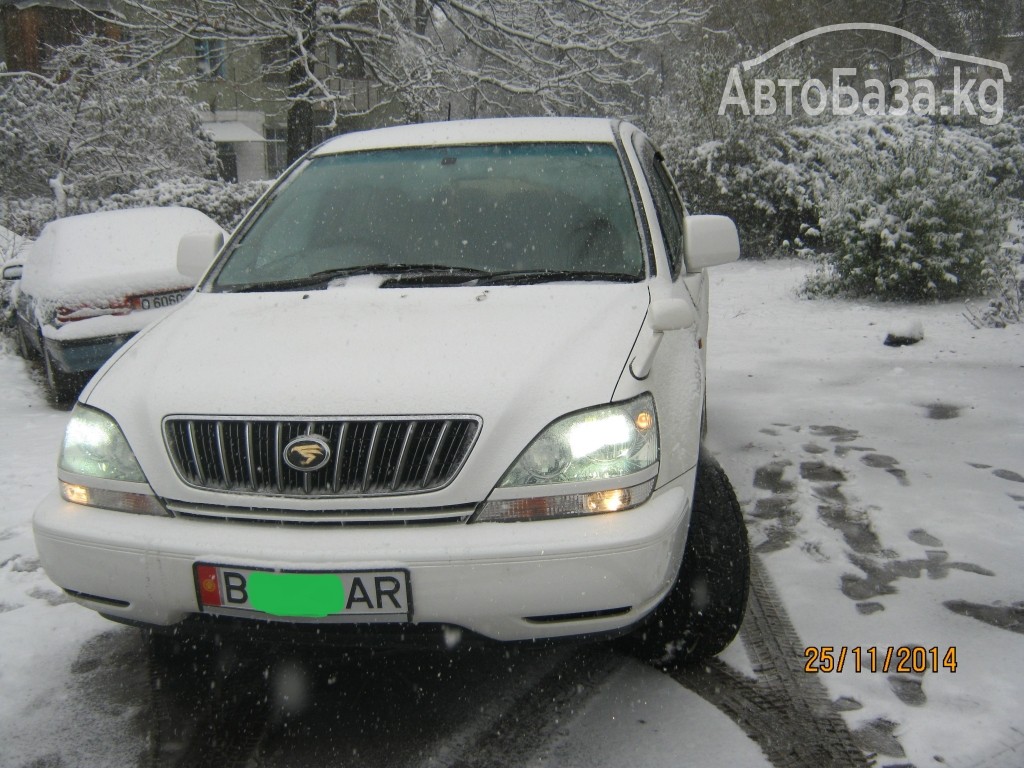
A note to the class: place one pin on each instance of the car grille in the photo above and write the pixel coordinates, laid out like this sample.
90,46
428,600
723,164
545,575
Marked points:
368,457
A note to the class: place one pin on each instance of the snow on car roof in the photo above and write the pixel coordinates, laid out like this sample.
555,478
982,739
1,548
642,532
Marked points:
487,131
77,254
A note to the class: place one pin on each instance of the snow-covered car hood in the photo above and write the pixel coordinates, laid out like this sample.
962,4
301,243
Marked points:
97,259
518,357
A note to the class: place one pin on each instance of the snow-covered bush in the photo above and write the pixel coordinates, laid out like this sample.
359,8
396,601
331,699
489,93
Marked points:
91,126
767,180
1005,278
910,211
224,202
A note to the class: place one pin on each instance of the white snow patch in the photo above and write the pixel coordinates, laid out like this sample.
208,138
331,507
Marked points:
643,717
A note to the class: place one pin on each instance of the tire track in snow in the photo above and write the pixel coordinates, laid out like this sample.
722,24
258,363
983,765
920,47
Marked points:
529,723
786,710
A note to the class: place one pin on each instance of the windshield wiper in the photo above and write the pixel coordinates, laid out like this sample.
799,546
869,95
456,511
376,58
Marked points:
401,272
533,276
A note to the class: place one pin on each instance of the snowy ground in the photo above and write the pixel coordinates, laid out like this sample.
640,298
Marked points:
884,488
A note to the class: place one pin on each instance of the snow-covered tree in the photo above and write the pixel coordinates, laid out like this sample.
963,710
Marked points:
430,57
90,126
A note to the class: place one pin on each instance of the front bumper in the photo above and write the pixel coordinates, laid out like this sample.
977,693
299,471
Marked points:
511,581
84,355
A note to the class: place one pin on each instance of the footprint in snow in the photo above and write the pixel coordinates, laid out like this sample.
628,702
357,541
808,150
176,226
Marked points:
1010,475
922,537
909,688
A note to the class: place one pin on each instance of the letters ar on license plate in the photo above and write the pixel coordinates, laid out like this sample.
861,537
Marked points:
357,596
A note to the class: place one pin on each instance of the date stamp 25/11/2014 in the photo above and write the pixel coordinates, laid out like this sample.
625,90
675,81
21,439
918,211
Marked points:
903,659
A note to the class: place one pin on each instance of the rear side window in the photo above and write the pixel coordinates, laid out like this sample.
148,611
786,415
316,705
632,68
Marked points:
666,203
545,206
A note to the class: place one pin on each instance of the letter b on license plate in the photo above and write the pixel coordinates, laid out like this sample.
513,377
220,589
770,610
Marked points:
335,596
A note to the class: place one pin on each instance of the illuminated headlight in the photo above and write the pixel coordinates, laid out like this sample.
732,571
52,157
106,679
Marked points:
596,444
98,468
585,452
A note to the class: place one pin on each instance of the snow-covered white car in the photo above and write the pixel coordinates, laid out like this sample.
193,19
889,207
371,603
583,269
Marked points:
94,281
14,249
445,379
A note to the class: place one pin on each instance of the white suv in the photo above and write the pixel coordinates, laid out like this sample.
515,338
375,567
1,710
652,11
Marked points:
443,378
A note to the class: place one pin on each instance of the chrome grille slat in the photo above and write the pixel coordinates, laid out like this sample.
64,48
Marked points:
278,461
437,450
371,457
307,477
400,461
222,455
250,458
338,463
194,448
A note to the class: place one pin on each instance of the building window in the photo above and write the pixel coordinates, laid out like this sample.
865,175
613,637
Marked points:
274,61
344,61
277,150
211,55
227,162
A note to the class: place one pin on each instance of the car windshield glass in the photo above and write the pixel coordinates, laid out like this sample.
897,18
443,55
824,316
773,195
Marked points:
560,208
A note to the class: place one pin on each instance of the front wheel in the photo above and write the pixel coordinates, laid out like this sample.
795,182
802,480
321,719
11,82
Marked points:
63,386
703,611
24,347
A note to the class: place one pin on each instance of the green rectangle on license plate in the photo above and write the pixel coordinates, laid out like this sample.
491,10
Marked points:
360,595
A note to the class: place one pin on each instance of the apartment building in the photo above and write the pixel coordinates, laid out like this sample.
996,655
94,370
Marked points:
243,87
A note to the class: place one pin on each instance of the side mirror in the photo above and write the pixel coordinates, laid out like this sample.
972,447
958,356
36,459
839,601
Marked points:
13,271
670,315
663,315
196,251
710,241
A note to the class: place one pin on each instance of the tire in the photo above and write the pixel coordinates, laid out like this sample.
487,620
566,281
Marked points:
64,387
703,611
24,348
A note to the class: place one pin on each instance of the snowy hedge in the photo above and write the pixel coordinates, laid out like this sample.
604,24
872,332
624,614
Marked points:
764,179
912,211
893,207
224,202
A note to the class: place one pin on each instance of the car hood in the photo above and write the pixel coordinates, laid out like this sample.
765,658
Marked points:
516,356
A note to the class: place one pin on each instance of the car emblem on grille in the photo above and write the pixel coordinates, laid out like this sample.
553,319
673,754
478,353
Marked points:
307,453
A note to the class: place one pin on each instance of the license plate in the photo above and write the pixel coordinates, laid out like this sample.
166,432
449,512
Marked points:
304,595
158,300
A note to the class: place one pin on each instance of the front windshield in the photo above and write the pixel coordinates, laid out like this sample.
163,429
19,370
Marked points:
499,209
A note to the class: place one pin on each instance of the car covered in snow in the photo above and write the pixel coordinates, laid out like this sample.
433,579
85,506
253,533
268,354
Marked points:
14,249
445,381
94,281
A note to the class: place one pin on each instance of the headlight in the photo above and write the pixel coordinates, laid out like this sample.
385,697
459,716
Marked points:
97,466
596,444
585,452
94,445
